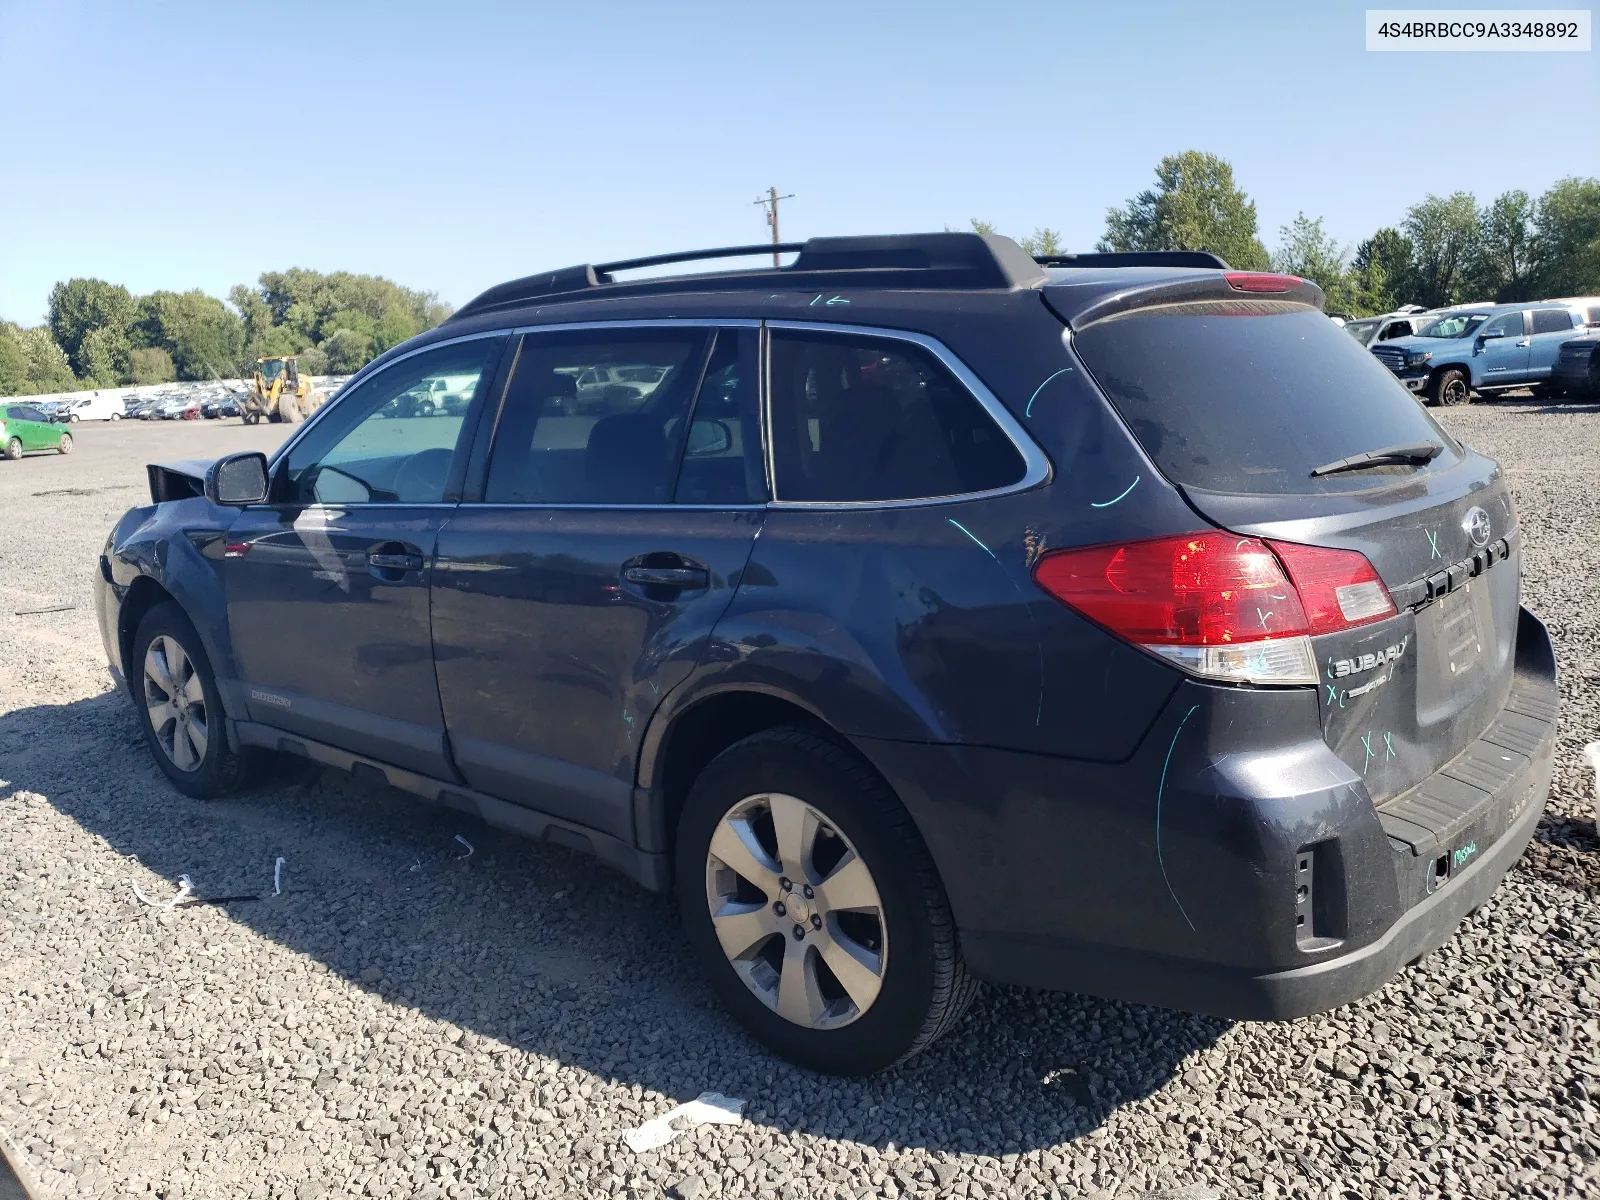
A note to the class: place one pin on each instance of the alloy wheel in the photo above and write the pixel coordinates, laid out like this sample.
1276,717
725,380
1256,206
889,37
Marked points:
176,703
1455,391
796,911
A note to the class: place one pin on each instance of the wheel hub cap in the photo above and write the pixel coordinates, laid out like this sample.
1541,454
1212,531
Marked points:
796,911
175,704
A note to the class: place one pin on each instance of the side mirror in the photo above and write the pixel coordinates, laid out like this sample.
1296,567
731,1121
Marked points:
237,479
708,438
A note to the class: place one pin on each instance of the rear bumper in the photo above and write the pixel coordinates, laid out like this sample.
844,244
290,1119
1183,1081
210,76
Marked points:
1273,995
1173,878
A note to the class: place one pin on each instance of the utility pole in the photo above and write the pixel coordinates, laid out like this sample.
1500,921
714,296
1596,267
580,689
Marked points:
770,203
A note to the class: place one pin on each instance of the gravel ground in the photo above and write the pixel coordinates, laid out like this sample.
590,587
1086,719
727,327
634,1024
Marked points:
405,1022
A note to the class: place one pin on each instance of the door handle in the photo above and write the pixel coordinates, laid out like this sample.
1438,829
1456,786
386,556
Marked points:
673,577
395,562
1525,342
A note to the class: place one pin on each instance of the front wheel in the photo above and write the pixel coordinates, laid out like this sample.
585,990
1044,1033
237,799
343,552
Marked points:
180,707
116,416
64,446
1451,387
813,907
14,449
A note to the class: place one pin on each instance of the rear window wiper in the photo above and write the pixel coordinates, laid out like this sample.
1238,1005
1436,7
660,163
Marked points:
1409,452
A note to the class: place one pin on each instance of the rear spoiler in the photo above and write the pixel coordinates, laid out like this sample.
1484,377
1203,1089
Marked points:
1081,303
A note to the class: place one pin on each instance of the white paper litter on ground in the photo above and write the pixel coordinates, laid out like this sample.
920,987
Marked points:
709,1108
185,890
1592,753
277,877
470,851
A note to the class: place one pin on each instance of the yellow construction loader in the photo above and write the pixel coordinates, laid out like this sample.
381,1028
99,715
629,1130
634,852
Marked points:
279,392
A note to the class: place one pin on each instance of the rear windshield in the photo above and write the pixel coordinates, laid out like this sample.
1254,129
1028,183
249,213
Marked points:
1251,396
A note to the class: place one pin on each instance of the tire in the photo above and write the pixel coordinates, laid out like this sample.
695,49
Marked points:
1450,387
289,409
14,449
72,418
116,416
175,733
425,408
64,446
910,985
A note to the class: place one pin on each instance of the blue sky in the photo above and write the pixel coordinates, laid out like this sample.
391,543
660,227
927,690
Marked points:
452,145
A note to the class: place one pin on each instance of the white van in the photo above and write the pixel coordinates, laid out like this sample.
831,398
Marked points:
101,406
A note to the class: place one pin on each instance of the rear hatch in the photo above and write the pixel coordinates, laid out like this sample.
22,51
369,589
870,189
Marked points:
1239,400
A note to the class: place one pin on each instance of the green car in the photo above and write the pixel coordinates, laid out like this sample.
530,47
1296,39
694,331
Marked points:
24,428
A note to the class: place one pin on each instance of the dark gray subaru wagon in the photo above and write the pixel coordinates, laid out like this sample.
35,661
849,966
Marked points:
920,612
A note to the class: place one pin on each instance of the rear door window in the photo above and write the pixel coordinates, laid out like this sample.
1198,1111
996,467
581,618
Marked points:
1552,320
1251,396
869,419
575,429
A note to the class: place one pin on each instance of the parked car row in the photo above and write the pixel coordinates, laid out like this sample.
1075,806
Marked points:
1485,348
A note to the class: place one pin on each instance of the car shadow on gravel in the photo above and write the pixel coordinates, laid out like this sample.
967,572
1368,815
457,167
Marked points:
544,951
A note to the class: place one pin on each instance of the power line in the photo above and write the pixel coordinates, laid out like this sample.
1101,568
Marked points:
770,203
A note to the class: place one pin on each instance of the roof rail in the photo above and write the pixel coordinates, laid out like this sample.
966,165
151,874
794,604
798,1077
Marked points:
915,260
1135,258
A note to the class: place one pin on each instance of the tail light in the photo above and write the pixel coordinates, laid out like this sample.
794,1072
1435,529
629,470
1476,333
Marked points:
1261,281
1218,605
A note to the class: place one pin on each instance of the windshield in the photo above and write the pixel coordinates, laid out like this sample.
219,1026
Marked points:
1456,325
1362,331
271,369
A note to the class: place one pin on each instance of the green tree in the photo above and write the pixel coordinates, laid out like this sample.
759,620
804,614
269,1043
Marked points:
79,307
13,361
1042,242
1443,231
151,364
1500,262
103,356
1195,205
48,368
204,337
1566,239
347,351
313,361
1383,271
1305,250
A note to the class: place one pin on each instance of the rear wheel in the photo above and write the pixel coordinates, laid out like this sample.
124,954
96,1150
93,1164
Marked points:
14,449
1450,387
813,907
180,707
116,416
64,446
290,408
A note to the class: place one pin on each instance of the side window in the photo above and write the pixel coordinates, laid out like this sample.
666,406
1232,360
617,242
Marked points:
1594,315
1396,330
386,442
596,417
722,461
862,419
1552,320
1509,325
